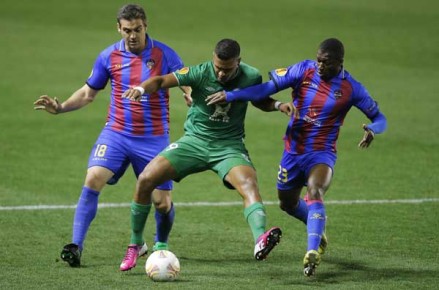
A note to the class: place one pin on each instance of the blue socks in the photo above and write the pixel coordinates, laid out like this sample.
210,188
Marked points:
84,214
164,222
316,224
300,212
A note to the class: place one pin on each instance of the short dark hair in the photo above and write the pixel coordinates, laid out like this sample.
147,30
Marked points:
130,12
227,49
334,47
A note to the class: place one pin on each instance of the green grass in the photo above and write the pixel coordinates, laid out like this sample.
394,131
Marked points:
48,47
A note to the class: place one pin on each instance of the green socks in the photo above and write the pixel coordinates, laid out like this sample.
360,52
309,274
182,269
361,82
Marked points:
139,214
255,216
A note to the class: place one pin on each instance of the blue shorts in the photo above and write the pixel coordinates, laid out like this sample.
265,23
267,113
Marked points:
294,168
116,152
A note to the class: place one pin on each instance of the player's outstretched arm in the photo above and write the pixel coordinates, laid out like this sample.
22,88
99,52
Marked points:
77,100
151,85
269,105
254,93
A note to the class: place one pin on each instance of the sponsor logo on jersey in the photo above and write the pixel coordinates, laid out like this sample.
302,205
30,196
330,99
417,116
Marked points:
183,71
311,84
210,89
119,65
281,72
311,118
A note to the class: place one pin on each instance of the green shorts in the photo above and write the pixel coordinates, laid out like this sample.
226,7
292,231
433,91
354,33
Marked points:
190,154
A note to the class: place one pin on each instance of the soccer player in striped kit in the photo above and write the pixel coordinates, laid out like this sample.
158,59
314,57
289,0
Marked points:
323,93
135,132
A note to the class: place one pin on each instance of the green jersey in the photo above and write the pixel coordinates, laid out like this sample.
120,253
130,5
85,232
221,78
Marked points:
225,121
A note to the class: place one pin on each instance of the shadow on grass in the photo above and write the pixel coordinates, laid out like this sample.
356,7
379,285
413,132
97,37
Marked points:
343,271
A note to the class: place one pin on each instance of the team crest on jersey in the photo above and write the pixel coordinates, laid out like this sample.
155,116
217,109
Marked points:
281,72
338,94
183,71
150,63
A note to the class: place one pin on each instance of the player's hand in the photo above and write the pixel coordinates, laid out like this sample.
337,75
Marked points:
216,98
50,105
367,138
289,109
188,98
132,94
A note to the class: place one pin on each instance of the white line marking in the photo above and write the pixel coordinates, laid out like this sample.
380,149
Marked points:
227,203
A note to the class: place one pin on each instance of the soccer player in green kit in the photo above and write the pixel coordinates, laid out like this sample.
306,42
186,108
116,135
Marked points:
213,140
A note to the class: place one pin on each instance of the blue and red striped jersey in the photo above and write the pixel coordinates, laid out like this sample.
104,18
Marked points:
150,116
322,105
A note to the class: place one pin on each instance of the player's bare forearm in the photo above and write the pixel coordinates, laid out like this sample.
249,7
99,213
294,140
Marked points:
151,85
77,100
266,105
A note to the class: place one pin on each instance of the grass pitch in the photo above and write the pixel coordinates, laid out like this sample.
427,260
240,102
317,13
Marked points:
391,47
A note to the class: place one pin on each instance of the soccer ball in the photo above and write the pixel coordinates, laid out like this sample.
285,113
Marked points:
162,266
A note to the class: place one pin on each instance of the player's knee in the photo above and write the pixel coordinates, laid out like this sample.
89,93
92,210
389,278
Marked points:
94,180
251,190
288,206
249,183
316,192
145,182
162,202
162,206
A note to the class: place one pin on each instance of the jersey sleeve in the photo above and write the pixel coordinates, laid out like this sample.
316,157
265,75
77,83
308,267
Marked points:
363,101
174,60
254,93
99,75
187,76
288,77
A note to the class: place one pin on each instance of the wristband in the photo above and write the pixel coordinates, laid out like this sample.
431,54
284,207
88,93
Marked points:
140,89
277,105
